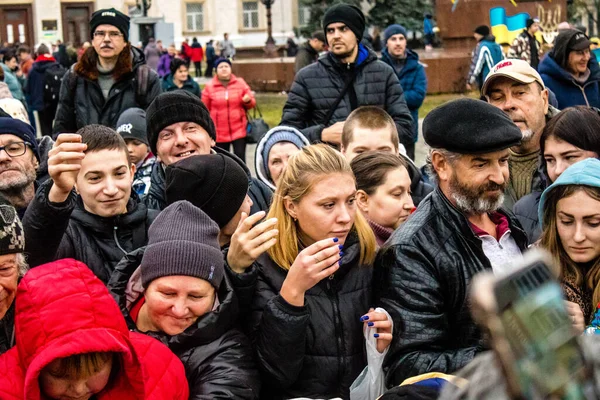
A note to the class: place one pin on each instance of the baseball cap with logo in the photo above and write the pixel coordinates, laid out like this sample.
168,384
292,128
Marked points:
518,70
579,41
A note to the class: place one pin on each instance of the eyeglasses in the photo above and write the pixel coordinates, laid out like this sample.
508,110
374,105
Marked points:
111,34
15,149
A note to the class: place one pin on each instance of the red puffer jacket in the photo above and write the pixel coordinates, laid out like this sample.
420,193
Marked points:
226,107
63,309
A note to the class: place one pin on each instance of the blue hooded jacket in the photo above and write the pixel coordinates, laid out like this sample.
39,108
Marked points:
568,91
586,172
414,83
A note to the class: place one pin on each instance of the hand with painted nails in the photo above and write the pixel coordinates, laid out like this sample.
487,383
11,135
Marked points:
248,242
382,324
64,163
313,264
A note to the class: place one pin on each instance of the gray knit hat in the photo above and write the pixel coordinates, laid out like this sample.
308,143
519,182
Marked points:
182,240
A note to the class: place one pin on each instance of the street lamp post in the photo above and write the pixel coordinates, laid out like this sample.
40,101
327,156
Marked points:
270,48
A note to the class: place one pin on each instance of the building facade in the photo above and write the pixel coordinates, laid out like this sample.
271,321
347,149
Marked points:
36,21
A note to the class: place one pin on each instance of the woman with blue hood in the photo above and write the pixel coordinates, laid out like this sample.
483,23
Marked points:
570,214
274,150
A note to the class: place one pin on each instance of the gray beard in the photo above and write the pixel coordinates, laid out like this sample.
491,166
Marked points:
476,206
17,185
527,135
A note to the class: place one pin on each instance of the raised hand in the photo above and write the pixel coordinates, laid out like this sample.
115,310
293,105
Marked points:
313,264
248,242
576,316
64,163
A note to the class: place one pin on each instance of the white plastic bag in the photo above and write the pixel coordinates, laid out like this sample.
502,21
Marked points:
370,384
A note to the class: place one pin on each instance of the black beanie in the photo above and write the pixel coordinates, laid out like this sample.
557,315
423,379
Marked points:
110,16
176,106
469,126
12,236
483,30
132,125
214,183
349,15
182,240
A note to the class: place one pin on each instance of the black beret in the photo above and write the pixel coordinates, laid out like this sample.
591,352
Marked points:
469,126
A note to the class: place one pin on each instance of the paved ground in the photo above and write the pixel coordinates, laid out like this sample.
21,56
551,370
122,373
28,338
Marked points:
420,151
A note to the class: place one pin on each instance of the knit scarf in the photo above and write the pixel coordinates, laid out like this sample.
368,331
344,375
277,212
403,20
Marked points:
522,167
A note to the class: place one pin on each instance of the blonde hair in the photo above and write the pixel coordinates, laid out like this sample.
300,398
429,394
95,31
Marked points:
551,241
82,366
302,172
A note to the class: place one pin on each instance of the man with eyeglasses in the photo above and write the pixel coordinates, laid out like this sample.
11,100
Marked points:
110,77
19,162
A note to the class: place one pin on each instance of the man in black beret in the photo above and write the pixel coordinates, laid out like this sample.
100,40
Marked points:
457,231
349,76
110,77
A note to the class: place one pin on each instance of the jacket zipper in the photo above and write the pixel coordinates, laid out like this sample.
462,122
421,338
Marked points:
117,239
228,114
338,329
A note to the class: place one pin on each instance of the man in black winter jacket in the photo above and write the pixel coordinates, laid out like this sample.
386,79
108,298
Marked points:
424,271
110,78
308,52
313,107
179,126
101,222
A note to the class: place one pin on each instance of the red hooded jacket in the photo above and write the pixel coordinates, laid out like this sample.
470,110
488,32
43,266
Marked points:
63,309
226,107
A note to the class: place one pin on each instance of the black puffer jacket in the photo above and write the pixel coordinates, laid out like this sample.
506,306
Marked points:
66,230
313,351
422,277
317,86
259,193
217,357
86,105
526,211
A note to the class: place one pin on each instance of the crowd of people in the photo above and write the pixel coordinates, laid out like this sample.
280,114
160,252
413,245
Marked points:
140,257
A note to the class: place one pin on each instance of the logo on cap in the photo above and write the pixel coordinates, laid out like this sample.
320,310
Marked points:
502,65
125,128
109,14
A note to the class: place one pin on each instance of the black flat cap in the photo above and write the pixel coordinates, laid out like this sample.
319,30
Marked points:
469,126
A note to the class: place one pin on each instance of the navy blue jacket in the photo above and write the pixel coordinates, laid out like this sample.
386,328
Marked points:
35,84
568,91
414,83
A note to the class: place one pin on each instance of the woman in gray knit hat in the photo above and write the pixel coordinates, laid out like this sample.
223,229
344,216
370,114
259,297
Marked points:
175,290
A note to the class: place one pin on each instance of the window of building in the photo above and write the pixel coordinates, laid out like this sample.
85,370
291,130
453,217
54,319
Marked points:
303,15
194,13
250,14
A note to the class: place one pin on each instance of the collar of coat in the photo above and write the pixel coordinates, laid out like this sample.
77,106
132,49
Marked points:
87,65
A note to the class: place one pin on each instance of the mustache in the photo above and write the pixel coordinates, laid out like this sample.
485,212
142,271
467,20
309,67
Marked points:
493,186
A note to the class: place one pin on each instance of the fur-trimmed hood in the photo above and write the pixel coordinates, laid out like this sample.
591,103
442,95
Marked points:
129,59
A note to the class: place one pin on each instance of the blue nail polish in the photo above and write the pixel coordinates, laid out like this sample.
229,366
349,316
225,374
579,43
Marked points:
363,318
371,323
335,240
341,253
376,335
341,246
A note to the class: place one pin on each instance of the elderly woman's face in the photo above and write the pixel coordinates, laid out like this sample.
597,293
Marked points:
9,275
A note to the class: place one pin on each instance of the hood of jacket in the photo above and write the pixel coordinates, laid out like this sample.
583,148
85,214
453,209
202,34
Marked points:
207,328
552,67
76,316
259,164
586,172
129,60
412,60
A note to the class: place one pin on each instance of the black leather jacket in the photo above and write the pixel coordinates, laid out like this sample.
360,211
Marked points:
422,277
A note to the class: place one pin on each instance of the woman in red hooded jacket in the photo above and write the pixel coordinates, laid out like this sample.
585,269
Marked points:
73,343
227,97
